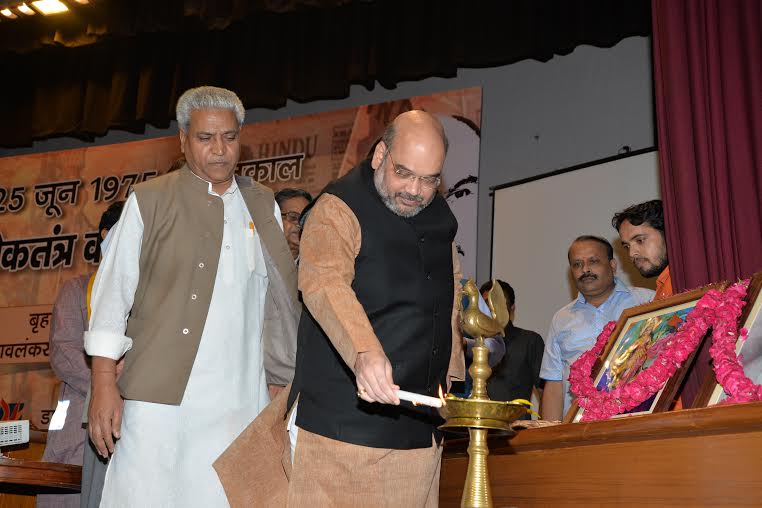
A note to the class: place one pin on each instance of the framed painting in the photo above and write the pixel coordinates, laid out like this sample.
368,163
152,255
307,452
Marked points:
749,350
636,342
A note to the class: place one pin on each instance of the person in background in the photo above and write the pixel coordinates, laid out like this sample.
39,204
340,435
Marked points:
66,434
574,328
641,230
519,371
495,345
292,203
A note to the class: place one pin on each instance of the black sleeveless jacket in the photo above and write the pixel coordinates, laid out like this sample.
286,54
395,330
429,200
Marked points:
404,281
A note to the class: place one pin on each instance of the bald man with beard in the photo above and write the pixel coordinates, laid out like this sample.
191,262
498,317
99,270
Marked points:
378,274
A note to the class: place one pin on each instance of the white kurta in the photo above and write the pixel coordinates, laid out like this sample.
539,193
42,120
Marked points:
165,454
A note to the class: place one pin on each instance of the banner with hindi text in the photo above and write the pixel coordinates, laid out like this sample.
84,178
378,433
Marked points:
51,203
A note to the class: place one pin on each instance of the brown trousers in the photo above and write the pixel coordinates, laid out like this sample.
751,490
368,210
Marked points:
256,469
332,473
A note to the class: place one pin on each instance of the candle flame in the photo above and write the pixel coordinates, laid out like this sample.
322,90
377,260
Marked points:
441,396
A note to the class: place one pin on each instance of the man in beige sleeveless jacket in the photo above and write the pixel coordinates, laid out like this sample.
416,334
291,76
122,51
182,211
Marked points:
198,293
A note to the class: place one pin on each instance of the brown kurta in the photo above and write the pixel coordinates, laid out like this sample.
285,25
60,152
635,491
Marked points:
256,467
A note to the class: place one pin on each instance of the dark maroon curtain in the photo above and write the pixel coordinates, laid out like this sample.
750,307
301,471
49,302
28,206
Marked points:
708,86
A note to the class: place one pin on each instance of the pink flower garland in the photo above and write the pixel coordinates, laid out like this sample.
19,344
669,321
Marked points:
727,365
715,309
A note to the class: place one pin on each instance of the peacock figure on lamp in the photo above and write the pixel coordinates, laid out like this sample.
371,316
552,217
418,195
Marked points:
478,413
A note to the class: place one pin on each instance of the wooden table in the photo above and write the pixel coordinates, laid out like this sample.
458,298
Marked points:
40,474
699,457
24,476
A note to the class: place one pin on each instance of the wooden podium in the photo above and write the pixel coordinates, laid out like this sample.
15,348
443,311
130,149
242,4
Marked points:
697,457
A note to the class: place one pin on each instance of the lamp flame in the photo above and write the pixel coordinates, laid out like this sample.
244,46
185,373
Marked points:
441,396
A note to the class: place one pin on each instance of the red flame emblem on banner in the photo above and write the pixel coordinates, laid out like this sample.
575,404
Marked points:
10,411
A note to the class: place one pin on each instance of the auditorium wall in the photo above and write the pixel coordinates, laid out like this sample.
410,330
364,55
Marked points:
537,117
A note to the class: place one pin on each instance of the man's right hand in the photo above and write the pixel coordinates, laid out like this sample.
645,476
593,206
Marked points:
105,412
373,374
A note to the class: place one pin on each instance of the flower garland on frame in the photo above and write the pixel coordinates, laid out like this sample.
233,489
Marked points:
716,309
727,365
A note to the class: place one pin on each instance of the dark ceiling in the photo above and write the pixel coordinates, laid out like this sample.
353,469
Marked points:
121,64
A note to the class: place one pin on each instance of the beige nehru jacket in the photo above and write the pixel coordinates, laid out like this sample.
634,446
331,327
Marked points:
179,255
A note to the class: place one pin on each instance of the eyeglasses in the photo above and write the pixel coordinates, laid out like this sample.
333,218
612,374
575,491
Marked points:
430,182
292,217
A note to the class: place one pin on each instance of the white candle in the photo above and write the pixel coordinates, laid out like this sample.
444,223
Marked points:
417,398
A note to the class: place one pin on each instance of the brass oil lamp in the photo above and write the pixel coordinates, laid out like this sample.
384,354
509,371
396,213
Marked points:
478,413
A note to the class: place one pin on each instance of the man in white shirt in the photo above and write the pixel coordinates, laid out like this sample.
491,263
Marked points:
198,292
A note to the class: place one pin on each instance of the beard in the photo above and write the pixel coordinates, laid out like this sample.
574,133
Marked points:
653,269
390,200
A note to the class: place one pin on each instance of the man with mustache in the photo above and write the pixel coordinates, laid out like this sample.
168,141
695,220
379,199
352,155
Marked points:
574,328
292,203
198,294
641,230
378,273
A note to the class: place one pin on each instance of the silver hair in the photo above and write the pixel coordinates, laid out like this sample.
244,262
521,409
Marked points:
207,97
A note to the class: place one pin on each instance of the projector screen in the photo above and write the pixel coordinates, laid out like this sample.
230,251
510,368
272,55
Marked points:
535,221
